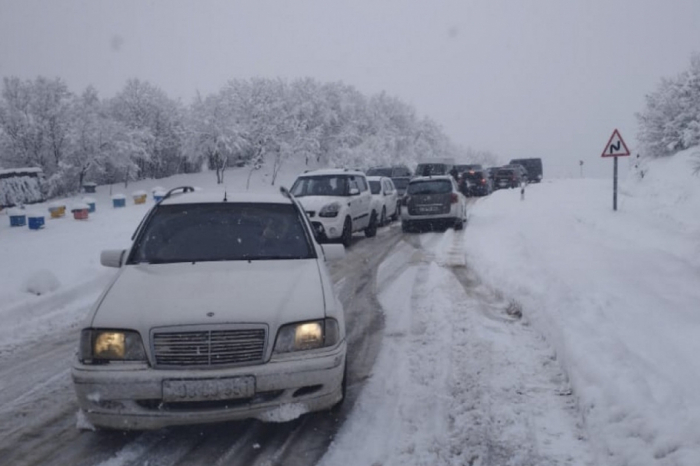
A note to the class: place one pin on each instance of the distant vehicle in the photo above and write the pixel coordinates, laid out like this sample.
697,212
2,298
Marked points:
435,167
434,201
465,168
400,183
385,199
157,351
521,170
507,178
475,183
20,186
533,167
338,203
394,171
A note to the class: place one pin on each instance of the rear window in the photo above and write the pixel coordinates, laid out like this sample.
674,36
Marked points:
222,232
505,173
431,169
400,183
430,187
375,187
377,171
474,176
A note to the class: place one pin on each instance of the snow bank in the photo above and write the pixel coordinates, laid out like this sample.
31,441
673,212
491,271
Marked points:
41,282
617,295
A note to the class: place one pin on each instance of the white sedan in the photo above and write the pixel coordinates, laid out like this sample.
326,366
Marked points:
385,198
222,309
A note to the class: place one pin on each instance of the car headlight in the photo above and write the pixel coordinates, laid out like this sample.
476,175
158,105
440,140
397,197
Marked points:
103,346
329,210
307,336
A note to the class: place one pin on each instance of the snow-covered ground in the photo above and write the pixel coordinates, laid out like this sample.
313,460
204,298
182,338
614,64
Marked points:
602,368
617,295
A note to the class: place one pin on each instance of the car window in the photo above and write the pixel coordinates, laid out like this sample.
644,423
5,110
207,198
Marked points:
222,232
362,183
400,183
378,171
322,185
430,187
431,169
375,187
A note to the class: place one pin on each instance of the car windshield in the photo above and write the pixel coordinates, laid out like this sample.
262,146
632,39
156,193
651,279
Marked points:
430,187
377,171
222,232
322,185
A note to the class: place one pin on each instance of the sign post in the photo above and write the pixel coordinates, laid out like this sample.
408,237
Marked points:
615,148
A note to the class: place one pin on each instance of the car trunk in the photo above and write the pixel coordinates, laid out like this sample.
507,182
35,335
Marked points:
429,204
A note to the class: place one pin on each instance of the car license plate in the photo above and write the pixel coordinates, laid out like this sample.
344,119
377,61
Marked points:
430,208
208,389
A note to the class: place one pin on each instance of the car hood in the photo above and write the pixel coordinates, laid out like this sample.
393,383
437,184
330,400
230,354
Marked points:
265,291
316,203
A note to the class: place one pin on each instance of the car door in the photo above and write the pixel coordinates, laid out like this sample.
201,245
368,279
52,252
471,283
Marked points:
360,203
390,197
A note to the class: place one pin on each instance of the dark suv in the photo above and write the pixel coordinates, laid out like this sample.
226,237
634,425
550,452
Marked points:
475,183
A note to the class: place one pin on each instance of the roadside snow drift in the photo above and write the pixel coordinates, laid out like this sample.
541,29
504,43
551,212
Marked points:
616,293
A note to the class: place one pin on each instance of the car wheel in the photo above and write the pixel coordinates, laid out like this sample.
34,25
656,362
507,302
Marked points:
405,227
346,237
371,229
383,221
397,214
459,224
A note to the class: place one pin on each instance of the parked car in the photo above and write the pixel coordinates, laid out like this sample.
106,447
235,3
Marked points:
533,167
475,183
435,167
507,178
385,199
390,172
338,203
401,183
222,309
434,201
521,171
465,168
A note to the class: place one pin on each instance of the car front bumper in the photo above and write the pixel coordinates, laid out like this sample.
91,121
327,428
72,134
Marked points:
329,228
131,397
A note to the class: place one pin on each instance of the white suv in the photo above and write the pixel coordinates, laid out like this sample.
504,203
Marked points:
338,203
222,309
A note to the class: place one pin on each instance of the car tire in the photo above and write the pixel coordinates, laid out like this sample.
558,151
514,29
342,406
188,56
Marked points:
371,230
346,236
397,214
459,224
383,220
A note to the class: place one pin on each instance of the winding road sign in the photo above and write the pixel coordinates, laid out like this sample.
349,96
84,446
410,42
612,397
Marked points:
616,147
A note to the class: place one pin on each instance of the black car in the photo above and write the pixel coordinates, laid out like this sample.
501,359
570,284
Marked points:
475,183
397,171
400,183
507,178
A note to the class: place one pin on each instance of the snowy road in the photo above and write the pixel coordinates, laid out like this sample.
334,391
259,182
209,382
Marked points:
38,407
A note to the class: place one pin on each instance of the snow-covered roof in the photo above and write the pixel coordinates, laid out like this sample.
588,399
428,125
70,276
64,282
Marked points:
10,171
428,178
332,171
377,178
204,197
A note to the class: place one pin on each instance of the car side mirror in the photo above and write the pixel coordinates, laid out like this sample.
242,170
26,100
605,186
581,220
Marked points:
333,252
112,257
354,191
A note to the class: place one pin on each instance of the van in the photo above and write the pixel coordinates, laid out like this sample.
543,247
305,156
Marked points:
533,167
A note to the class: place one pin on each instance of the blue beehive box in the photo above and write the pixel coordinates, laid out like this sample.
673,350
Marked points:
18,218
90,203
119,200
36,222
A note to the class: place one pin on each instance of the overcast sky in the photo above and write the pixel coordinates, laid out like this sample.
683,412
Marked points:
548,79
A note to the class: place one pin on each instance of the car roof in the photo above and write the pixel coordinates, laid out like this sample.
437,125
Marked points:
331,171
209,197
429,178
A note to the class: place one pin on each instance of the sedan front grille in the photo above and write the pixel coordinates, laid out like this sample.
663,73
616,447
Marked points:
209,347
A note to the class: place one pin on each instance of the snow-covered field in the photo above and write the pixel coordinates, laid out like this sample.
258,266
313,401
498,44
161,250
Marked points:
601,369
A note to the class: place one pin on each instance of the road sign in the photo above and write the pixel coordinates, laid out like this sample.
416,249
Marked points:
616,147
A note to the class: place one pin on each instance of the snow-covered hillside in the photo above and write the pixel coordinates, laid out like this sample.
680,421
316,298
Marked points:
616,293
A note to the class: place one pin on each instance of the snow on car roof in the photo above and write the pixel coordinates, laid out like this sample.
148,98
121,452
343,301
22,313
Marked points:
204,197
331,171
428,178
377,178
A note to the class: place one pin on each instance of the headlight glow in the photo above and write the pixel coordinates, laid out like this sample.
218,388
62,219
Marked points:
103,346
307,336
